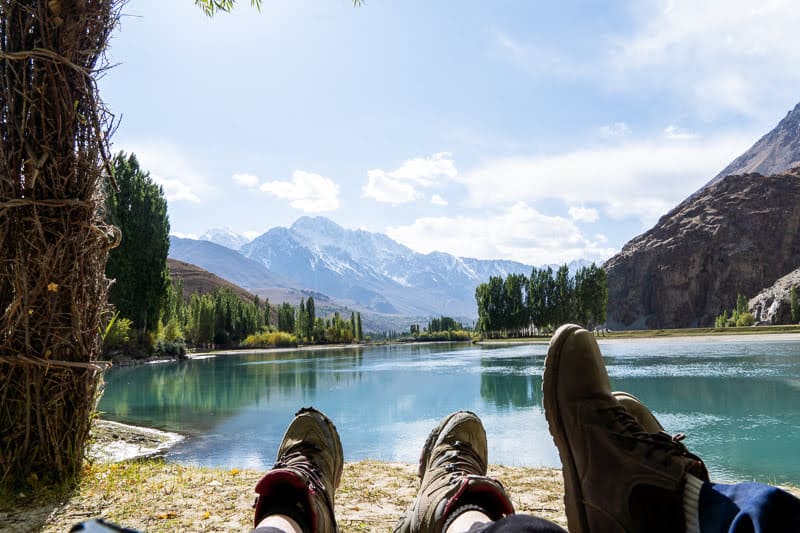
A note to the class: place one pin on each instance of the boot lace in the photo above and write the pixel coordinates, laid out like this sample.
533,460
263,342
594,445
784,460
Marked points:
627,429
461,460
298,459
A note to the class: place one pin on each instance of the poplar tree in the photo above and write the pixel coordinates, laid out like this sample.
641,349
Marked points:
139,264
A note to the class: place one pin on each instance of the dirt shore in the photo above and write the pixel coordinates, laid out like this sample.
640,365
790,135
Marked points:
153,495
122,485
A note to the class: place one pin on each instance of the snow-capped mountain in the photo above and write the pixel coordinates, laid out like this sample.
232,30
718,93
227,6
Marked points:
225,237
372,270
360,269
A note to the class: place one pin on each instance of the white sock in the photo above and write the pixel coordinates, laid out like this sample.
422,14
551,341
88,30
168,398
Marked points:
691,501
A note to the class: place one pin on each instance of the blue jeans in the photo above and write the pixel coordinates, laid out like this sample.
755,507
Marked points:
747,508
740,508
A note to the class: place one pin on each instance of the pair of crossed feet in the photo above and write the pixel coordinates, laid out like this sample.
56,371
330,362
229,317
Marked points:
622,472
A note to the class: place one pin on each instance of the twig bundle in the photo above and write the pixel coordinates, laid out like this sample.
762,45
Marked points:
53,239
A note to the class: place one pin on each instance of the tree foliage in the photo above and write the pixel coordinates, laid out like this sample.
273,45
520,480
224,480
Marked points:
139,264
739,317
518,305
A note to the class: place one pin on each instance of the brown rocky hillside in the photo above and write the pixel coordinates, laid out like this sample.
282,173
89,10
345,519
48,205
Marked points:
197,280
737,235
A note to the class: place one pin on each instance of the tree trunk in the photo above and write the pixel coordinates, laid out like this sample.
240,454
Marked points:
53,239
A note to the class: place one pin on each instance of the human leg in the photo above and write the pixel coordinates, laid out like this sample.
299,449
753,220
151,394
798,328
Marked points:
297,494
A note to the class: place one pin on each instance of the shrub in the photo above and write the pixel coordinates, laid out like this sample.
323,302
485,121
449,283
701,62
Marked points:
165,348
745,319
117,334
266,339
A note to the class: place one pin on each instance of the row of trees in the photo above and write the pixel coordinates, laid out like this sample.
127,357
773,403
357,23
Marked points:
739,315
521,305
307,326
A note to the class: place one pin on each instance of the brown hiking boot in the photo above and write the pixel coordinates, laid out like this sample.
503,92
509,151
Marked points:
617,476
452,471
307,472
650,424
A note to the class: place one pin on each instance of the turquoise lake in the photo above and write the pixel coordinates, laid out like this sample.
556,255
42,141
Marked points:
737,402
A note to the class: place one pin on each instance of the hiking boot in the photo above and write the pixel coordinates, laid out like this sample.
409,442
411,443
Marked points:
639,411
452,471
302,482
650,424
617,476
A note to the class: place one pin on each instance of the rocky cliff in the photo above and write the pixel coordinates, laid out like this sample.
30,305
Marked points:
773,305
737,235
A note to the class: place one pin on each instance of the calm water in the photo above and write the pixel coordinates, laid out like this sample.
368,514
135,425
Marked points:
738,403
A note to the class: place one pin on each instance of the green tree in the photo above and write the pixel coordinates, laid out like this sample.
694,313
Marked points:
591,296
795,306
563,301
286,318
359,330
139,264
312,317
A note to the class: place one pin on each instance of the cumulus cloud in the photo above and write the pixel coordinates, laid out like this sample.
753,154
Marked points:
643,178
306,191
172,170
438,200
401,185
520,233
176,190
583,214
248,180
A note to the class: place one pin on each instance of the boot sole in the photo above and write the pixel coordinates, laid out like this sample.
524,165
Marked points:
576,514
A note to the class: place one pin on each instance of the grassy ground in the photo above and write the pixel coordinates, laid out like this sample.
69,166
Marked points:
151,495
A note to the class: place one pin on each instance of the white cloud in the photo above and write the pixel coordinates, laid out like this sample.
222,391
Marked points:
520,233
724,54
583,214
171,169
184,235
438,200
250,235
176,190
399,186
615,130
307,191
674,133
385,189
717,55
643,178
248,180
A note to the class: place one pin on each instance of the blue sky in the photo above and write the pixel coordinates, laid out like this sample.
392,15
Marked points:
522,130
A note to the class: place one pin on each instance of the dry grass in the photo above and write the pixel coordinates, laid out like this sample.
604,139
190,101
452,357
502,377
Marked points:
151,495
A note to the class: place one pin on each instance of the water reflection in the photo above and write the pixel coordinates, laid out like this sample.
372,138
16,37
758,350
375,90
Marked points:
192,396
510,384
737,402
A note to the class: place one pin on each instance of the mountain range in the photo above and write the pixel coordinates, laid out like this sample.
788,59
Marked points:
356,268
